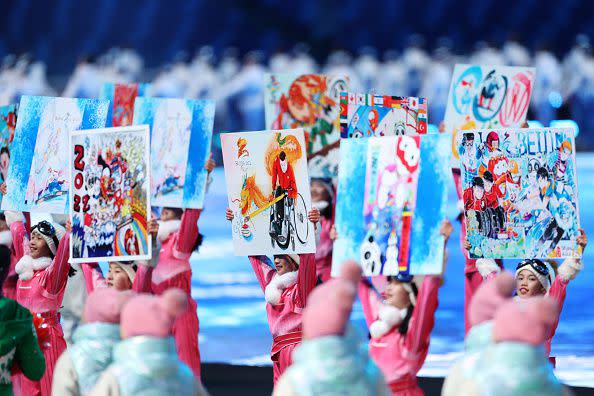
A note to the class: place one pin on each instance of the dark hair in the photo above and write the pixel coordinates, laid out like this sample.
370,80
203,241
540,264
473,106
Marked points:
4,150
403,328
488,176
198,243
467,136
542,172
177,211
478,182
4,265
282,156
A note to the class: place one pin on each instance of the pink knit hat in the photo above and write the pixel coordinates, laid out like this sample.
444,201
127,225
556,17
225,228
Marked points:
329,305
489,297
525,320
152,316
105,305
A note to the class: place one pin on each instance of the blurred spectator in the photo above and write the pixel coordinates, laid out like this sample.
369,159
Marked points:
547,86
367,67
86,81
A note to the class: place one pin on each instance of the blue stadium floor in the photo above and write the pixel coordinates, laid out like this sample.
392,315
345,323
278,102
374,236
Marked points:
231,308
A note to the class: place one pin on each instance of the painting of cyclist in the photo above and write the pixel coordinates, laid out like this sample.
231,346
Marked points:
474,197
283,179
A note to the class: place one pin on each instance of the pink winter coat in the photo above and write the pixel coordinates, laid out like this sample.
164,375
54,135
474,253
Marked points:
284,317
401,356
324,250
43,295
174,271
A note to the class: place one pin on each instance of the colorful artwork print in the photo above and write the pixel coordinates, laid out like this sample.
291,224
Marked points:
8,118
376,231
181,134
38,178
365,115
487,97
110,203
311,102
520,192
434,181
268,191
122,97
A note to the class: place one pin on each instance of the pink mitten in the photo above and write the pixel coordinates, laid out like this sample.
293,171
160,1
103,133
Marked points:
527,320
329,305
489,297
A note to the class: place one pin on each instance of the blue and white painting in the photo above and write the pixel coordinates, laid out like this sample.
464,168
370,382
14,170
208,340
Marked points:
435,178
181,134
38,178
350,195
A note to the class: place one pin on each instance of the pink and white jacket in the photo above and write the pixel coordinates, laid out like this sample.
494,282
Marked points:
286,296
324,250
401,356
566,272
45,290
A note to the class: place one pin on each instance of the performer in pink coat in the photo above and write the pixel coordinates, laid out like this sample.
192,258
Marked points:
179,237
322,198
535,277
43,272
400,326
286,285
9,287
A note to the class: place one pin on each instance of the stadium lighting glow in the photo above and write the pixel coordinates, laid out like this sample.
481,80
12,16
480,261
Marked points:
566,124
555,99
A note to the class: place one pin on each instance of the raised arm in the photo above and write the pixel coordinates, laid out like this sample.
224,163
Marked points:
423,317
56,275
263,270
187,234
369,300
143,279
306,278
93,276
16,222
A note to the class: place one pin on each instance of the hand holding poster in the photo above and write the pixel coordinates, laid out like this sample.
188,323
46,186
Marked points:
268,191
110,201
121,97
520,193
487,97
365,115
389,211
311,102
37,179
8,118
181,134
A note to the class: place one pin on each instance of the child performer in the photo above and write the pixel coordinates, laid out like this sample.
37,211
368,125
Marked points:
535,277
43,273
285,290
18,344
80,366
179,237
401,325
322,198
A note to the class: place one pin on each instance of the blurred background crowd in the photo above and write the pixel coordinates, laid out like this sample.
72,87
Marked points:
42,43
564,86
